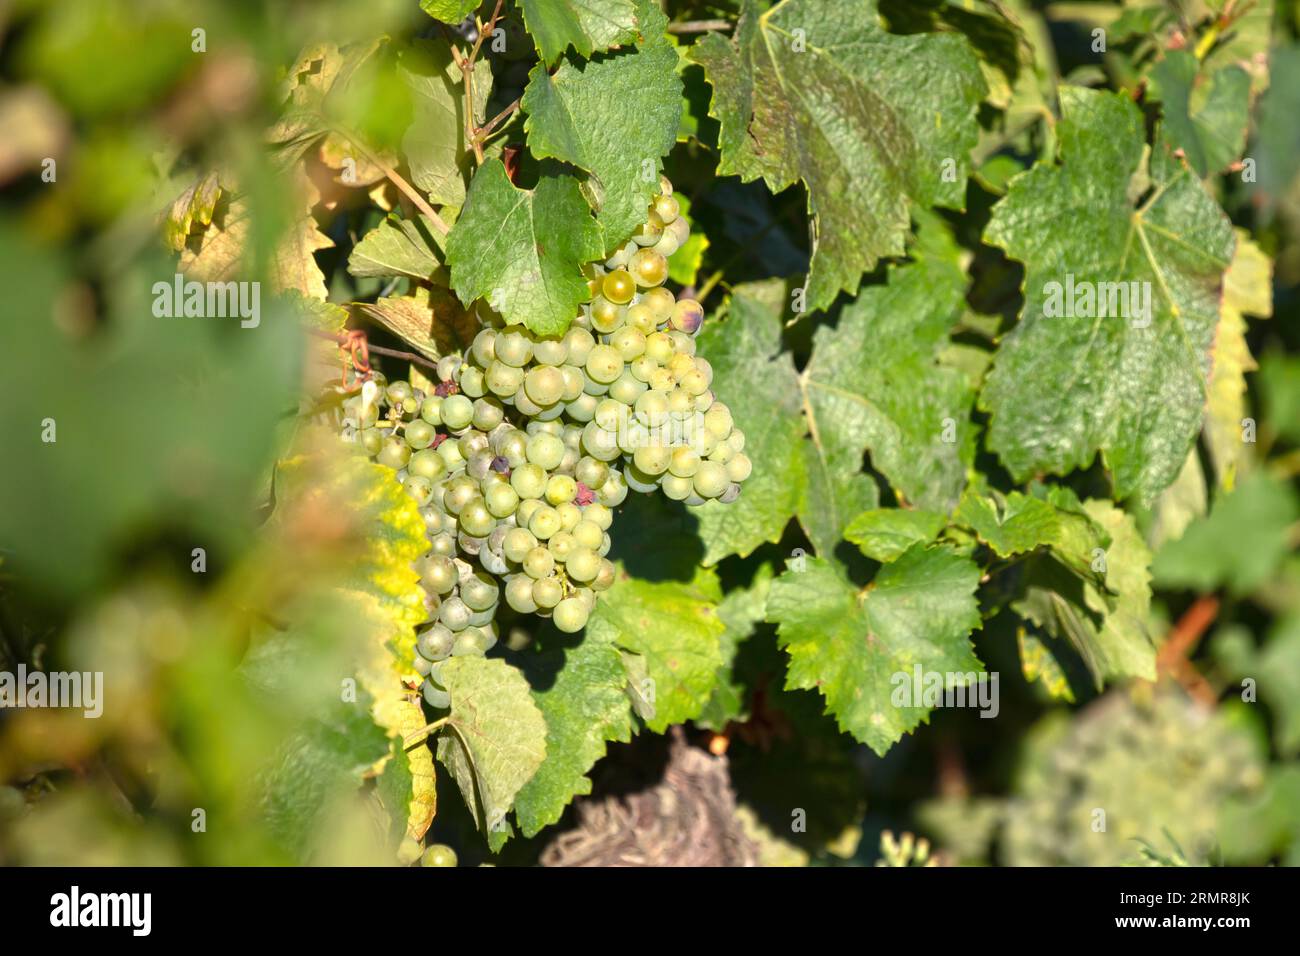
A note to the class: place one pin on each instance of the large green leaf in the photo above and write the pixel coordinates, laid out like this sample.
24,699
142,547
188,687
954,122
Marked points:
615,117
672,628
857,646
1016,523
874,384
523,249
1133,386
1206,112
579,687
495,738
588,26
398,247
758,381
884,534
815,91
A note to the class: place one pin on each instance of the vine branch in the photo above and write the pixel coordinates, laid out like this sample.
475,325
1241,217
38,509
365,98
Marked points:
396,179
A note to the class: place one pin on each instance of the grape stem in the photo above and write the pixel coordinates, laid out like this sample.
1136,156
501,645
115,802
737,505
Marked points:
466,64
397,180
699,26
346,338
417,736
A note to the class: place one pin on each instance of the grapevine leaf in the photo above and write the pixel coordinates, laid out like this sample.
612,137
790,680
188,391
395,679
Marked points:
818,92
1205,113
758,382
589,26
430,320
398,247
884,534
1246,44
740,611
673,627
579,115
1247,288
584,706
522,249
1038,663
852,644
219,253
1106,626
874,384
195,205
495,739
1238,544
449,11
1017,524
1063,388
434,145
1278,125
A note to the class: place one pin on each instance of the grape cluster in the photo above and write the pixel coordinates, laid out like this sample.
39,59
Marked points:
523,447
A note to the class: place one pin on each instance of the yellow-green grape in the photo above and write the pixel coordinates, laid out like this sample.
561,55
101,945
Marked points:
659,301
430,409
426,463
652,459
666,208
512,445
503,380
710,480
642,318
648,233
457,412
573,382
513,347
544,384
740,467
676,488
614,491
628,342
560,545
501,500
606,316
438,855
519,594
722,453
483,348
587,534
570,514
704,401
551,351
476,520
718,420
395,452
604,364
578,344
472,384
398,392
684,462
683,344
610,414
451,456
659,347
626,388
678,229
668,243
680,402
599,515
421,489
618,287
695,383
419,434
571,615
648,268
545,450
545,522
488,414
517,543
642,367
582,565
652,408
372,439
604,579
547,593
528,480
538,563
527,508
591,472
561,488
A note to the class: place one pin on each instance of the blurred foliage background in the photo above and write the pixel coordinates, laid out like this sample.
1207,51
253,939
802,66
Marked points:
221,745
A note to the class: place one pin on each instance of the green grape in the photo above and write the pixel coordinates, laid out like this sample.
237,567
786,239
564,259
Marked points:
501,500
740,467
547,593
529,480
426,463
514,347
544,384
560,488
675,488
372,440
618,287
668,243
626,388
421,489
571,615
610,414
434,642
591,472
652,459
684,462
449,451
613,492
600,443
678,229
398,392
587,534
420,434
722,453
438,574
583,564
544,522
475,518
578,344
659,347
598,514
435,696
642,368
460,492
607,316
621,255
648,268
570,514
648,233
550,351
422,666
666,208
395,452
503,380
717,420
472,384
454,614
573,382
483,348
538,563
471,642
652,408
517,543
604,579
683,344
488,414
527,508
560,545
545,450
525,405
444,543
710,480
628,342
641,318
519,594
680,404
694,383
513,447
457,412
582,408
438,854
638,481
660,302
448,366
